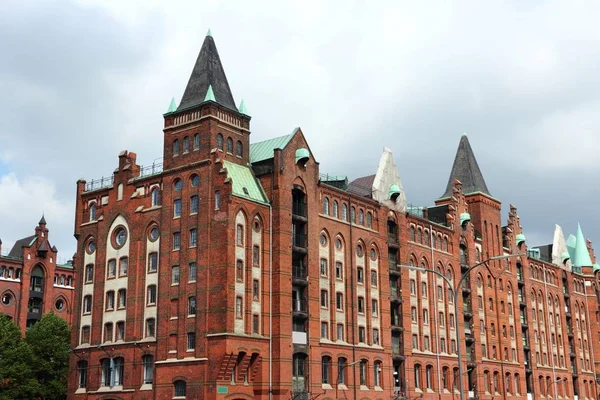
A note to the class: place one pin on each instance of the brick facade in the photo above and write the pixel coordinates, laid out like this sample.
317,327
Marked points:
270,277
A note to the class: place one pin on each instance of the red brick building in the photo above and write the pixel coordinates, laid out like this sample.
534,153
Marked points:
32,282
237,271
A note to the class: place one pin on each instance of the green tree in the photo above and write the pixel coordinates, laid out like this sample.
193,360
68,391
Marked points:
16,378
49,341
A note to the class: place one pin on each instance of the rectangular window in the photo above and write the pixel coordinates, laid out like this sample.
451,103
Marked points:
426,343
441,320
193,237
361,305
339,301
217,199
108,332
323,267
362,373
424,289
193,272
338,270
239,270
177,208
192,305
256,256
120,330
442,345
193,204
413,289
152,262
453,345
85,334
176,240
89,273
112,268
255,324
239,235
110,300
340,332
373,278
374,307
239,308
255,290
191,341
324,300
415,342
324,330
151,295
123,266
122,298
376,336
175,275
361,334
359,275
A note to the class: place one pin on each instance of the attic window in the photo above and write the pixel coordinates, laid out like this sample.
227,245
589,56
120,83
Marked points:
245,189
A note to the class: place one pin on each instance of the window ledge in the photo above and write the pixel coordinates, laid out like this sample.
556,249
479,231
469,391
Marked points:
364,388
341,386
378,389
326,386
80,391
146,386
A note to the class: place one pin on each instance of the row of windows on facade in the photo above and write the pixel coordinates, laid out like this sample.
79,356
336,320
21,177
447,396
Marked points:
339,303
184,146
342,372
339,335
112,373
63,280
423,237
344,214
10,273
339,272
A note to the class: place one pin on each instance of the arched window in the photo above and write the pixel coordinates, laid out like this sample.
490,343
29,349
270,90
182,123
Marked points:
176,147
186,144
377,370
417,376
352,214
148,365
412,233
326,206
239,149
220,141
120,192
344,212
197,141
369,220
335,209
361,217
419,236
326,370
93,212
429,377
229,145
155,197
179,388
37,280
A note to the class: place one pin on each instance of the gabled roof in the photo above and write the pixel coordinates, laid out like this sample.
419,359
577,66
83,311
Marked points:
244,184
581,256
264,150
17,249
362,186
207,72
466,170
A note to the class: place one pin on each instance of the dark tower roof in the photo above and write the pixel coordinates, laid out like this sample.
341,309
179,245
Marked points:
466,170
208,71
42,221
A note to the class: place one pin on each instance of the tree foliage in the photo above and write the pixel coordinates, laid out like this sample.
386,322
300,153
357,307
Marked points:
34,367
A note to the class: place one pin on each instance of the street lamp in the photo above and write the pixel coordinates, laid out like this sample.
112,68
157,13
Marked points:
550,384
455,292
340,371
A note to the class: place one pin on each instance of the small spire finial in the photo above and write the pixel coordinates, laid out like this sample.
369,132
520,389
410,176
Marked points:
42,220
172,106
209,33
210,95
242,108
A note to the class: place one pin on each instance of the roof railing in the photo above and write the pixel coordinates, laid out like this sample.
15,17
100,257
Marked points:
154,169
98,184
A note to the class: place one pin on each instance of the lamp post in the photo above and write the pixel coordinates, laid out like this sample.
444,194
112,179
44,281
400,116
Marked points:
340,371
455,292
550,384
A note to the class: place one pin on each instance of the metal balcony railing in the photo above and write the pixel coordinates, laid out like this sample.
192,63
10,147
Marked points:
299,209
299,271
98,184
299,240
299,306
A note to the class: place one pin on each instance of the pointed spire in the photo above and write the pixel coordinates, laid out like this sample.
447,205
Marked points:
210,95
242,108
208,71
172,106
42,221
581,258
209,33
466,170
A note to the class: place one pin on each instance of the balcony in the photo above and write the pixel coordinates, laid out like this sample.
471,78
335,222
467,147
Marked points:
464,267
566,292
394,268
524,323
393,240
299,241
299,211
300,309
397,351
397,323
467,310
299,337
469,338
395,294
299,275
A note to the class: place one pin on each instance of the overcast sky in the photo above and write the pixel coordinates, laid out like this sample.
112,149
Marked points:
83,80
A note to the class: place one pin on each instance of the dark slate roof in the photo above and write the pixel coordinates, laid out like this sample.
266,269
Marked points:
207,71
362,186
466,170
42,221
17,249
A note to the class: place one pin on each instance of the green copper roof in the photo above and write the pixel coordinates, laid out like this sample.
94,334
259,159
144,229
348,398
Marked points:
596,267
571,245
565,256
242,108
262,151
464,217
520,238
172,106
244,184
581,258
209,33
394,191
210,95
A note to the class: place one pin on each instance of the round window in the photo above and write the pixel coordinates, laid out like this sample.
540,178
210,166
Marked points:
323,240
195,181
6,299
120,237
373,255
91,246
154,233
338,244
359,250
60,304
256,226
